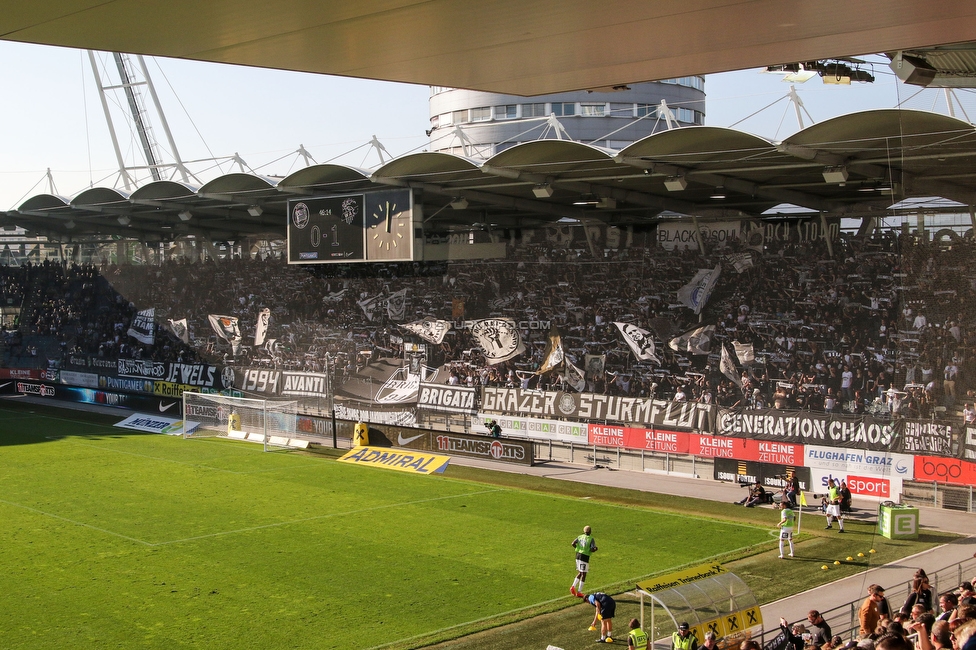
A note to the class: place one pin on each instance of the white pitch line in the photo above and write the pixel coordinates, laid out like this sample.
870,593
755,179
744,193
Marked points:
327,516
244,530
77,523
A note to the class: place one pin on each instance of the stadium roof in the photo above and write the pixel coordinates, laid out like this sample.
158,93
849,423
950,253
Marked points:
522,47
854,165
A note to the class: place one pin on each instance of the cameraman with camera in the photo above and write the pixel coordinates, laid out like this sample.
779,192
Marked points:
494,430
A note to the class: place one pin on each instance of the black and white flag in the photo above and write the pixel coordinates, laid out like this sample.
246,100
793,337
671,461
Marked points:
370,306
697,341
744,352
740,261
228,329
143,327
499,338
969,443
695,294
595,365
429,329
261,328
640,341
396,305
180,329
728,367
574,377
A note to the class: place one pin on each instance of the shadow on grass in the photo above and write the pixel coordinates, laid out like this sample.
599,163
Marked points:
28,423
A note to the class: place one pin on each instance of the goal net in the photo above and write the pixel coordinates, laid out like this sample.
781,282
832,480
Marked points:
271,422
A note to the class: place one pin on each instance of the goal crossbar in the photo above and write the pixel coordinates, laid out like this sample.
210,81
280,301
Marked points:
271,422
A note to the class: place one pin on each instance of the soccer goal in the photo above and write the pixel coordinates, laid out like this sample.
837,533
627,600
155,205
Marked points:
270,422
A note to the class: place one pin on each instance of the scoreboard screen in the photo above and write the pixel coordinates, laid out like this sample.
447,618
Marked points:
374,226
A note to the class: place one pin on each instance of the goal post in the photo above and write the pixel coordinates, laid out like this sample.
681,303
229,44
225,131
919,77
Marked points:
270,422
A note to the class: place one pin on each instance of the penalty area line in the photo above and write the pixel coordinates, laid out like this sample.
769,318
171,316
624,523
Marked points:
76,523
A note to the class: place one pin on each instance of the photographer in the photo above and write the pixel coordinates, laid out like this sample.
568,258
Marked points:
494,430
756,496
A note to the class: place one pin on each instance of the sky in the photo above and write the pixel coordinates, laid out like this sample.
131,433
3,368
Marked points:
51,116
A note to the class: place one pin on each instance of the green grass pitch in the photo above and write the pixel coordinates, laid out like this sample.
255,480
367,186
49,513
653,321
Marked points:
112,538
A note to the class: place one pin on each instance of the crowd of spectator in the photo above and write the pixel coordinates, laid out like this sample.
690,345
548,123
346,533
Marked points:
924,621
885,324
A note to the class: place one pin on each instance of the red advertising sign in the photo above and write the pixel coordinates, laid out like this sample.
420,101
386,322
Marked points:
869,486
672,442
21,373
715,446
605,436
767,451
944,470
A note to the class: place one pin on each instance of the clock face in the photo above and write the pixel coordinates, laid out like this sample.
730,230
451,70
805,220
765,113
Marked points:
388,227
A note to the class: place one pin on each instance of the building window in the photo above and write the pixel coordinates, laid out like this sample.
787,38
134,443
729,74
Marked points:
533,110
593,110
561,109
646,110
506,112
459,117
698,83
444,119
481,114
621,110
690,116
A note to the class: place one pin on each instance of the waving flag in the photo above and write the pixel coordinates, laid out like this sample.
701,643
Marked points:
179,328
143,327
429,329
574,377
696,293
554,356
396,305
728,367
697,341
640,341
261,328
744,352
499,338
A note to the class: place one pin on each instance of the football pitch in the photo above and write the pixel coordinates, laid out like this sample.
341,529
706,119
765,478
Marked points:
112,538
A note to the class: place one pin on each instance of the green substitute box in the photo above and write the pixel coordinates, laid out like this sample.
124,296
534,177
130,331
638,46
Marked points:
898,522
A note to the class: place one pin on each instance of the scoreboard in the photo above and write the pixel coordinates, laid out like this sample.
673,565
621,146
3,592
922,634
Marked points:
367,227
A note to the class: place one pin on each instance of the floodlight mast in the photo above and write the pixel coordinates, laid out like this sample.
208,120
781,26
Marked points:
150,147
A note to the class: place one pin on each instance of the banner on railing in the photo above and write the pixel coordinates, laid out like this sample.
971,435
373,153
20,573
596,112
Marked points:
807,428
442,397
590,406
918,437
535,428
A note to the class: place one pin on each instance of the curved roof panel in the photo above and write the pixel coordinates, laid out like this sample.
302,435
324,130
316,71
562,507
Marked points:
695,145
163,191
879,130
425,164
97,196
557,158
236,183
44,202
323,176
